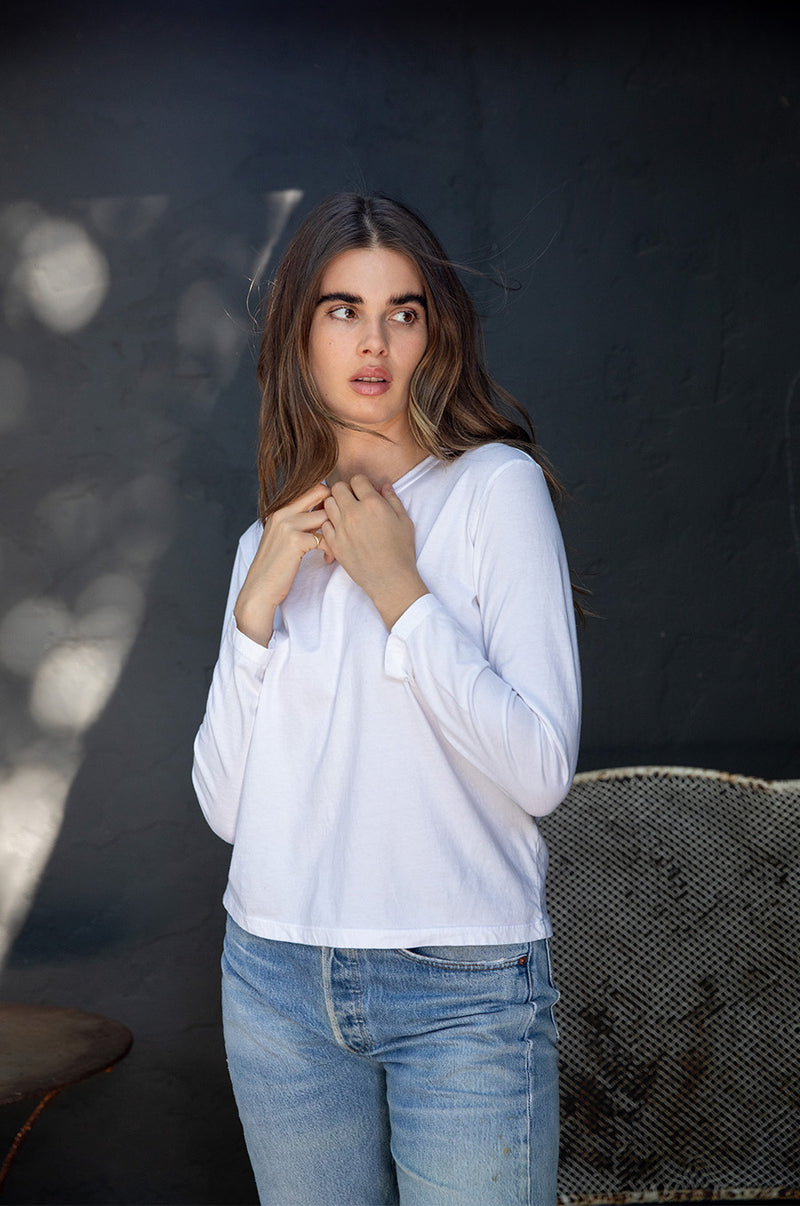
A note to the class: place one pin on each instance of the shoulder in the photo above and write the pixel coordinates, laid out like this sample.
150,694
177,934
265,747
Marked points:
503,491
499,466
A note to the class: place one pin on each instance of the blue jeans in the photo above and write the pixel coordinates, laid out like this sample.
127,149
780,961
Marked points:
427,1077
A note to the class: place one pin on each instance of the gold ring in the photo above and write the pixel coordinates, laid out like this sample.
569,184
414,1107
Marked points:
316,537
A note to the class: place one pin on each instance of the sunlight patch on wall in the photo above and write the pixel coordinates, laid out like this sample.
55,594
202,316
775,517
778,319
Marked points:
61,275
72,519
77,676
32,799
29,630
74,683
74,659
127,217
209,342
208,335
98,533
280,207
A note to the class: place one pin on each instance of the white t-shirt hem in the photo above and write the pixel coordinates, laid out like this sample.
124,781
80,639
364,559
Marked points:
324,935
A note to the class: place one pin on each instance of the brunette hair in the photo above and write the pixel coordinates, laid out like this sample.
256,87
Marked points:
454,404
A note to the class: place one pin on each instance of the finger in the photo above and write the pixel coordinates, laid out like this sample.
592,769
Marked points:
308,521
362,486
311,498
342,490
328,533
312,548
332,509
342,494
326,549
388,492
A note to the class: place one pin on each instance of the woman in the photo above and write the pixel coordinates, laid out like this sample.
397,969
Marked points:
396,700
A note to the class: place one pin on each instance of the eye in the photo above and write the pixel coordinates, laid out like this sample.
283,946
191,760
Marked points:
344,312
405,317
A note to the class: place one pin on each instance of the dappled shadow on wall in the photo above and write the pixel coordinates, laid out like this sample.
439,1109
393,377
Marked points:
125,321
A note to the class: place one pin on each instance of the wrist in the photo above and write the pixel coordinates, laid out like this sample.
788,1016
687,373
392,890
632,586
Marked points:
257,627
391,604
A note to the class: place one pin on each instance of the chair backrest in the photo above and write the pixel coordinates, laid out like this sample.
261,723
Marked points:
674,898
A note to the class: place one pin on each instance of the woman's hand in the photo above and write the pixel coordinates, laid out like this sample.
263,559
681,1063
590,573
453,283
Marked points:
370,534
288,535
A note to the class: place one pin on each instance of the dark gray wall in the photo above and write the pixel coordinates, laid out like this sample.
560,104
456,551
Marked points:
635,177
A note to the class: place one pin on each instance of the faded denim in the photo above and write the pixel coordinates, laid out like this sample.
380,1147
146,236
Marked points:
426,1077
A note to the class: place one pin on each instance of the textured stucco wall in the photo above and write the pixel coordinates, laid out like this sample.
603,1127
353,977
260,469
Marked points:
636,178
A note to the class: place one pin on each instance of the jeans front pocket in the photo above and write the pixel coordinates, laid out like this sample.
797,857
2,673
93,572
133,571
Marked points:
473,958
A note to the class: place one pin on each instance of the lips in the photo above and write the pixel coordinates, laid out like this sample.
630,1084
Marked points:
371,381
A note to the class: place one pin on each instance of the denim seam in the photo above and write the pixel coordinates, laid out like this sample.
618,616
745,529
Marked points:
330,1005
367,1038
456,965
326,958
554,988
529,1079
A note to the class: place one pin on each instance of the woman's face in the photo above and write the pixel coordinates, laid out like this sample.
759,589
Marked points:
368,333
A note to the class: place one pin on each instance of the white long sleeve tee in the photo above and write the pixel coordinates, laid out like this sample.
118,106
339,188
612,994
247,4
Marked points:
380,789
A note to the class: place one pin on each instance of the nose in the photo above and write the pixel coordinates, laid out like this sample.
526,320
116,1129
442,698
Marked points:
372,337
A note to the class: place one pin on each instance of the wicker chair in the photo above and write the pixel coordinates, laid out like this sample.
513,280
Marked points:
675,903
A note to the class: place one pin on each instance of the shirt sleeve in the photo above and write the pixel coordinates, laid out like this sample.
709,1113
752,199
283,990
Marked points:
512,708
223,740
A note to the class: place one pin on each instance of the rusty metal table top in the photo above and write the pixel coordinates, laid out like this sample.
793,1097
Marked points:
43,1047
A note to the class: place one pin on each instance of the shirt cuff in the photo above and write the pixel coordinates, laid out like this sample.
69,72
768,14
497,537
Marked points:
396,660
247,649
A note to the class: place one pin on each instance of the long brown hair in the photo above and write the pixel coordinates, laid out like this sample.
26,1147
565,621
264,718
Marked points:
454,404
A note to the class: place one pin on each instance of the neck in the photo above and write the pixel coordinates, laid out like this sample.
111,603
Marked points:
383,461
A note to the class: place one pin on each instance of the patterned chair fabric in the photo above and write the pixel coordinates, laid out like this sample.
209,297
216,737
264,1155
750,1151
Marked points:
675,903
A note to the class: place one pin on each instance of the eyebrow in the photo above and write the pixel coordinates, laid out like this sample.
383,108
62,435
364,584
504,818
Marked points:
352,299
